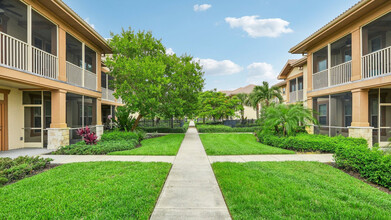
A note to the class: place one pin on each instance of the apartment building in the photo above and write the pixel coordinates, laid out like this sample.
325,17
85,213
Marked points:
349,72
51,78
249,112
294,77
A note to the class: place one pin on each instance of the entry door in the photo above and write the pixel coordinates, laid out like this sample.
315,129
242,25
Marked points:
2,127
33,132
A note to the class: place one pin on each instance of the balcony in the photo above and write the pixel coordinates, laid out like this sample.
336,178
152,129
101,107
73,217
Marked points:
20,55
376,63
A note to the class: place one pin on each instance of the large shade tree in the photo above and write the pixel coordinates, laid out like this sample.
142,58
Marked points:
263,95
149,81
217,105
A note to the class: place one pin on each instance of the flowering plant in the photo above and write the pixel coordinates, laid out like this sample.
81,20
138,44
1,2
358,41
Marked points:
89,137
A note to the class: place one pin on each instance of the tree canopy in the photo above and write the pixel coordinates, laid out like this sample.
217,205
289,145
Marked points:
264,95
216,105
151,82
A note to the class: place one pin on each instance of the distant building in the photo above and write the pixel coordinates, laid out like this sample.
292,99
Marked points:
249,112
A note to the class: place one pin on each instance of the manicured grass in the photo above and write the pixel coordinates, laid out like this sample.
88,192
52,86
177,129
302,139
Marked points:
237,144
166,145
96,190
298,190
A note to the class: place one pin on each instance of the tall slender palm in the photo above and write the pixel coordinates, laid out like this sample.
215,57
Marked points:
264,95
243,97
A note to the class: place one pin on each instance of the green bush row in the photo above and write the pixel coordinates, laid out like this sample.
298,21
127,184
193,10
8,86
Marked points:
372,164
101,148
18,168
310,142
223,129
166,130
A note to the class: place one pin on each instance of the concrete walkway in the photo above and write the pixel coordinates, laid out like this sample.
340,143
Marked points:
191,190
24,152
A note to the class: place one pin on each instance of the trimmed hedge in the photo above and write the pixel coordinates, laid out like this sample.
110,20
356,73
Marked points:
166,129
119,135
18,168
224,129
372,164
309,142
101,148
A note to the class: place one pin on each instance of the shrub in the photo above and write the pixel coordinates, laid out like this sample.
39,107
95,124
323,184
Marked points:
101,148
310,142
119,135
89,137
18,168
372,164
223,129
166,129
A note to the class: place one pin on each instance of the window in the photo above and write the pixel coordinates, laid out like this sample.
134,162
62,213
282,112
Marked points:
320,60
348,113
111,83
323,114
283,90
74,51
376,35
14,19
103,80
44,33
375,44
341,50
90,60
292,85
300,83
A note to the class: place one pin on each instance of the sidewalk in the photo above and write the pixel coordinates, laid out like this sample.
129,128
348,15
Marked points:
323,158
62,159
191,190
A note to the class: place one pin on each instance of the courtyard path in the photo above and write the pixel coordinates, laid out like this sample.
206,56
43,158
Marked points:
191,190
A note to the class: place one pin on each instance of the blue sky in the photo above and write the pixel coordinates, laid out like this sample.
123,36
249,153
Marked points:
238,42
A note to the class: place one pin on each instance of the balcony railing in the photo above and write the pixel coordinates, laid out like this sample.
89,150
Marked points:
341,73
15,53
44,63
293,97
74,74
320,79
107,94
376,63
89,80
300,95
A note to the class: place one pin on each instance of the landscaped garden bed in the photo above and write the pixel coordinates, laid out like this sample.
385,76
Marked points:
95,190
166,145
12,170
237,144
297,190
166,129
205,128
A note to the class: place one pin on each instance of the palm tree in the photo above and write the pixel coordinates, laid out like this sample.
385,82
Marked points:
264,95
288,118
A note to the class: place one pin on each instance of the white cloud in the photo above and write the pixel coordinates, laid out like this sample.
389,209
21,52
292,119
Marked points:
202,7
219,68
170,51
88,21
259,72
256,27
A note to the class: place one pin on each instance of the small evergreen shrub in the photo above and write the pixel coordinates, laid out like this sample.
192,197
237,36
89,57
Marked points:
182,129
119,135
309,142
372,164
223,129
101,148
18,168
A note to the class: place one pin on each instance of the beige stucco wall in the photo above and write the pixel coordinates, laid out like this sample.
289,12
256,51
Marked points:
15,118
250,112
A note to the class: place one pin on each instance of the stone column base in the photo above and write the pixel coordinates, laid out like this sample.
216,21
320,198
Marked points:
99,131
361,132
57,137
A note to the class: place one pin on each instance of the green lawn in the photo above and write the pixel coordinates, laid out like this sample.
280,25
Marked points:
298,190
166,145
237,144
95,190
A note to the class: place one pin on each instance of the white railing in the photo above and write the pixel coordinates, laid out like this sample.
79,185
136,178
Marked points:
300,96
13,52
119,100
90,80
320,79
376,63
292,96
110,95
104,93
74,74
44,63
341,73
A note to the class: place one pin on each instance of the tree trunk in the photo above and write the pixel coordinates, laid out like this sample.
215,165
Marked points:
136,122
257,108
172,122
203,120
